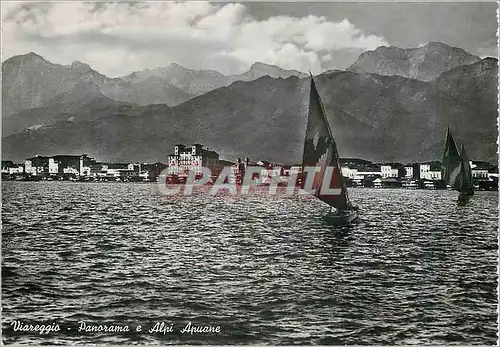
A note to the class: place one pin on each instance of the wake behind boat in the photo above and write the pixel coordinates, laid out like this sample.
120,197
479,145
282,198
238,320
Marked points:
320,151
456,169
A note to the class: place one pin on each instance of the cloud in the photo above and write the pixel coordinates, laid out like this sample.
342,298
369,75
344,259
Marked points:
118,38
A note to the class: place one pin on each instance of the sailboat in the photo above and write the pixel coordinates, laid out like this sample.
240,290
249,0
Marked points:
320,151
456,169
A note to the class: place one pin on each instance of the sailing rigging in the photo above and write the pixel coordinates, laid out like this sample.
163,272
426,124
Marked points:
456,169
320,152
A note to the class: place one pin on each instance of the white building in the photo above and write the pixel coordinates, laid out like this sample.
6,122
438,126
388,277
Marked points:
28,167
359,175
409,171
195,157
389,170
71,171
430,171
480,170
433,175
37,165
53,166
348,172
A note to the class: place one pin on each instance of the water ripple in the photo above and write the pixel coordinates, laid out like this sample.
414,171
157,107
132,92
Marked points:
416,269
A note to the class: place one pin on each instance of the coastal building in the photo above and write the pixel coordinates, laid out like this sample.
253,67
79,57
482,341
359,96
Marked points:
394,170
410,183
361,172
409,171
194,157
391,182
430,170
8,167
493,173
37,165
70,171
480,170
150,172
6,164
115,170
53,166
348,172
412,171
295,169
70,164
58,164
265,171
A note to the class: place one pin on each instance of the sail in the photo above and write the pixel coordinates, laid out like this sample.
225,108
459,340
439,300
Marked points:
320,150
451,169
466,184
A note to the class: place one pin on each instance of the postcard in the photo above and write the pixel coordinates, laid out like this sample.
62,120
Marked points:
220,173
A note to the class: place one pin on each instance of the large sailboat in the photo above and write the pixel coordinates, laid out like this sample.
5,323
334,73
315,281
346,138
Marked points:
320,152
456,170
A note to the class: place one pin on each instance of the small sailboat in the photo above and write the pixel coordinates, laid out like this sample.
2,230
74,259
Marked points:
320,152
456,169
466,184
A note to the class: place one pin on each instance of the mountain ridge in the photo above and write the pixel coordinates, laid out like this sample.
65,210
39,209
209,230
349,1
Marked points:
423,63
30,80
380,118
197,82
400,118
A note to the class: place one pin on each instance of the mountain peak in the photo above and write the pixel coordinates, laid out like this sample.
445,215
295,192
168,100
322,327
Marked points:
259,64
81,66
176,67
33,55
424,63
29,57
260,69
436,44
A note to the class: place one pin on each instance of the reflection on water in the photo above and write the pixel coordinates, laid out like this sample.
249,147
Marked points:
417,268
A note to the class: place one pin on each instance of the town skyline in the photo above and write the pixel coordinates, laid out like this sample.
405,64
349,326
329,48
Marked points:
199,152
227,160
186,160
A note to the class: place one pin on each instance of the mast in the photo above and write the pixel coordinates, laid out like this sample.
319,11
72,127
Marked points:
320,150
451,168
334,144
467,186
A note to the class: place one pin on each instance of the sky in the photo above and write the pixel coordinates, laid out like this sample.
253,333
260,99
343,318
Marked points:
117,38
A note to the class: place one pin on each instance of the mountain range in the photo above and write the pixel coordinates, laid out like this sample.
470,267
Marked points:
31,81
381,116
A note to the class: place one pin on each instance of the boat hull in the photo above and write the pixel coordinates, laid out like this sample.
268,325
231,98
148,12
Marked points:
463,198
343,217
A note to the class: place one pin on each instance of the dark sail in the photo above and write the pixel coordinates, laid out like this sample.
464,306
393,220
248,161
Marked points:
452,163
320,151
466,184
